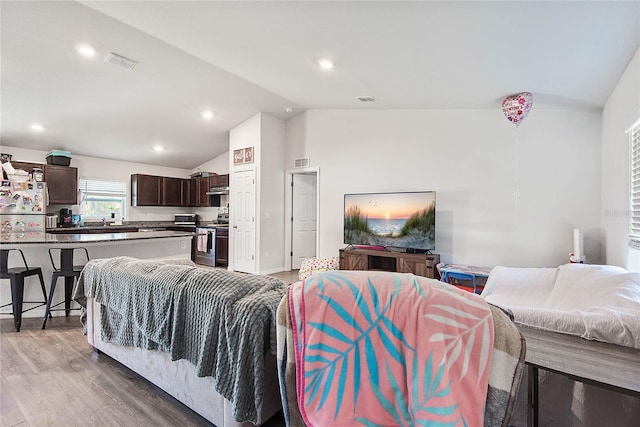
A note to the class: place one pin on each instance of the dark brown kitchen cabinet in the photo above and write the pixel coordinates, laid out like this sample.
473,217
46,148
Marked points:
217,181
185,192
198,188
192,200
62,183
173,191
203,187
146,190
222,246
27,166
150,190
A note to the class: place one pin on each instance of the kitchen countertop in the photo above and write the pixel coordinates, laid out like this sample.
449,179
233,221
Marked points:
139,225
106,228
40,237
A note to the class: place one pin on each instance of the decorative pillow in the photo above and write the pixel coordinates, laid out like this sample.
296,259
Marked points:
315,265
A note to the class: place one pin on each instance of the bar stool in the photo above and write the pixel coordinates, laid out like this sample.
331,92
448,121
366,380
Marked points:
16,276
70,272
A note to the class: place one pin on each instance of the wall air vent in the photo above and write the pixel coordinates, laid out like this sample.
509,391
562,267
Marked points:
301,163
120,61
366,98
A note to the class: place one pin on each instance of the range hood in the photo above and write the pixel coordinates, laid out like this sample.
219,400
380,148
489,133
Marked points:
217,190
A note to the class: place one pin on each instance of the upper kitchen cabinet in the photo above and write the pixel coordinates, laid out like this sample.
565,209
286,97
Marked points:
200,186
174,191
150,190
218,186
62,182
203,188
146,190
27,166
218,181
192,198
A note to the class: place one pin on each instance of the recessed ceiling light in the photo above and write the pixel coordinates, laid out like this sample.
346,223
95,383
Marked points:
288,109
326,64
207,115
86,51
158,148
36,127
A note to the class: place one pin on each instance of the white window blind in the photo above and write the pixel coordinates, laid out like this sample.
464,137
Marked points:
112,188
102,199
634,223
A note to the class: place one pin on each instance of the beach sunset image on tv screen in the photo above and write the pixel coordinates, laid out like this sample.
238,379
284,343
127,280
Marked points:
404,220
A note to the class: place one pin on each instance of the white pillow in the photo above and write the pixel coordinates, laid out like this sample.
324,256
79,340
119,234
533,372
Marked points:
519,287
583,287
315,265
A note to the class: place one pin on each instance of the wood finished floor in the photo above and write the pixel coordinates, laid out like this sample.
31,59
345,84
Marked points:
54,378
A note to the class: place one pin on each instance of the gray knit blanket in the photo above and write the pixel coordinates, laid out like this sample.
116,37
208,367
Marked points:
222,322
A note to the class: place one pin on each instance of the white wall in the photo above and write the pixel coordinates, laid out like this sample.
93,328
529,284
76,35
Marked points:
95,168
469,158
266,135
620,112
219,165
271,194
246,134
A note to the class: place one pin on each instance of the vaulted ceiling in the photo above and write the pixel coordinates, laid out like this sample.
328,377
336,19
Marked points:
238,58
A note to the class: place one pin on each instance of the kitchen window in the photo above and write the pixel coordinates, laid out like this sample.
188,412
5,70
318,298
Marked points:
102,199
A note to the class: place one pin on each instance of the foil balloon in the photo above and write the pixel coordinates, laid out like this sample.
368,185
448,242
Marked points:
516,107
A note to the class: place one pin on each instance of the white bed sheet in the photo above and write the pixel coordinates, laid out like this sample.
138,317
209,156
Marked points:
596,302
592,301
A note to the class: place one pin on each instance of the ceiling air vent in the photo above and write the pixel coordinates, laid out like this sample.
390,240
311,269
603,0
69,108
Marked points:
366,98
301,163
120,61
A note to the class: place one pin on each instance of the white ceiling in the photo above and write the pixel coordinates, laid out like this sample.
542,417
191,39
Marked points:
238,58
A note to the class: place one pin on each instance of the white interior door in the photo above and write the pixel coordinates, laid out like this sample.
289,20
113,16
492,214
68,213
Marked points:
304,221
244,221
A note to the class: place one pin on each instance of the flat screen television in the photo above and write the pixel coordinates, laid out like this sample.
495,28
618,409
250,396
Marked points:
394,220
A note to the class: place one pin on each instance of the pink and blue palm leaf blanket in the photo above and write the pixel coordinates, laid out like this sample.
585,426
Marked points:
389,349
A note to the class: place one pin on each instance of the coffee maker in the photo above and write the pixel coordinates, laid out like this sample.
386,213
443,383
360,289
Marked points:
65,218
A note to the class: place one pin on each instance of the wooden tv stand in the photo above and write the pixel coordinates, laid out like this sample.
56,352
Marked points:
368,259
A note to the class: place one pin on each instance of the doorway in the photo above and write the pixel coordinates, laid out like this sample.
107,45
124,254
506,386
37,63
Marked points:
244,225
301,230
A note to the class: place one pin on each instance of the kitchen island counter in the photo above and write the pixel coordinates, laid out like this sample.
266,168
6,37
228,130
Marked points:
55,238
94,229
37,246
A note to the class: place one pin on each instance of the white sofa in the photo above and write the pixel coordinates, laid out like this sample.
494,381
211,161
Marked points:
179,378
211,322
595,302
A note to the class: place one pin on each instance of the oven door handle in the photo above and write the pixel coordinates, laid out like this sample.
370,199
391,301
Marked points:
211,235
